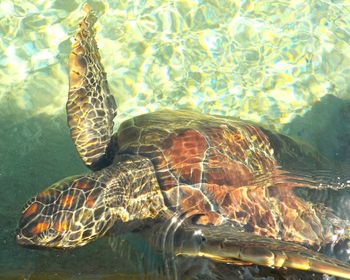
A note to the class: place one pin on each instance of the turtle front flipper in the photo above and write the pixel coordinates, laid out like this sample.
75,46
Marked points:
91,108
225,244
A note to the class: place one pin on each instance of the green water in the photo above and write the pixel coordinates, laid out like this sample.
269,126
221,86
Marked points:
285,64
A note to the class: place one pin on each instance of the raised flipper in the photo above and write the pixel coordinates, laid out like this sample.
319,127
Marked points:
225,244
90,107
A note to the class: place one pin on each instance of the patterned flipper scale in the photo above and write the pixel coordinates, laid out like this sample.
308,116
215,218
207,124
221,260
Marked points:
225,244
91,107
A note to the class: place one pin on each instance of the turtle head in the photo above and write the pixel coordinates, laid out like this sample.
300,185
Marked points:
80,209
68,214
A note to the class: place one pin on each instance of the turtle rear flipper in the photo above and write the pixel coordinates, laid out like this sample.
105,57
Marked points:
224,244
90,107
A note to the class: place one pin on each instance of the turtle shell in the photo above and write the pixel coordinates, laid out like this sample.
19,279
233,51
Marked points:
210,168
192,148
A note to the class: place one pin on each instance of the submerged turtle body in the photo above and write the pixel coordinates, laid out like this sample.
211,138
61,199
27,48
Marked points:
227,178
207,167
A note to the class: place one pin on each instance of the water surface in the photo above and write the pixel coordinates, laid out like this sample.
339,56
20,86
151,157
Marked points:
285,64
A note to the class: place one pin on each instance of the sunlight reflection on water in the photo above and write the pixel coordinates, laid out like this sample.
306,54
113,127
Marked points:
264,61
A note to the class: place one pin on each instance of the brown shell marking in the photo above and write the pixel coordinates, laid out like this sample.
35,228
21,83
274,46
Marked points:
206,164
218,156
246,205
220,165
194,203
298,218
186,152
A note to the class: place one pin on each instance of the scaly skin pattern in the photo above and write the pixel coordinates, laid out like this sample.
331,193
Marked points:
79,209
90,106
224,244
207,167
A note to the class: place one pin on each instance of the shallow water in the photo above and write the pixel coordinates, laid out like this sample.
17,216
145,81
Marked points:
285,64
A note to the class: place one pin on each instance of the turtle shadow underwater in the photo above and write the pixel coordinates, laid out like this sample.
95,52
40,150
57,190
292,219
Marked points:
326,127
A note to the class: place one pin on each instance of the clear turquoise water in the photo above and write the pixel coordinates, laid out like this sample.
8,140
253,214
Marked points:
285,64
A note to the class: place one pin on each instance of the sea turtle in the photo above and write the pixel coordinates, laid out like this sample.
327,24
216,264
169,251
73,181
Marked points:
224,177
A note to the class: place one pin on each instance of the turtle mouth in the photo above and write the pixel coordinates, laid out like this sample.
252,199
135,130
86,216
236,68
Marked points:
24,241
27,243
40,241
